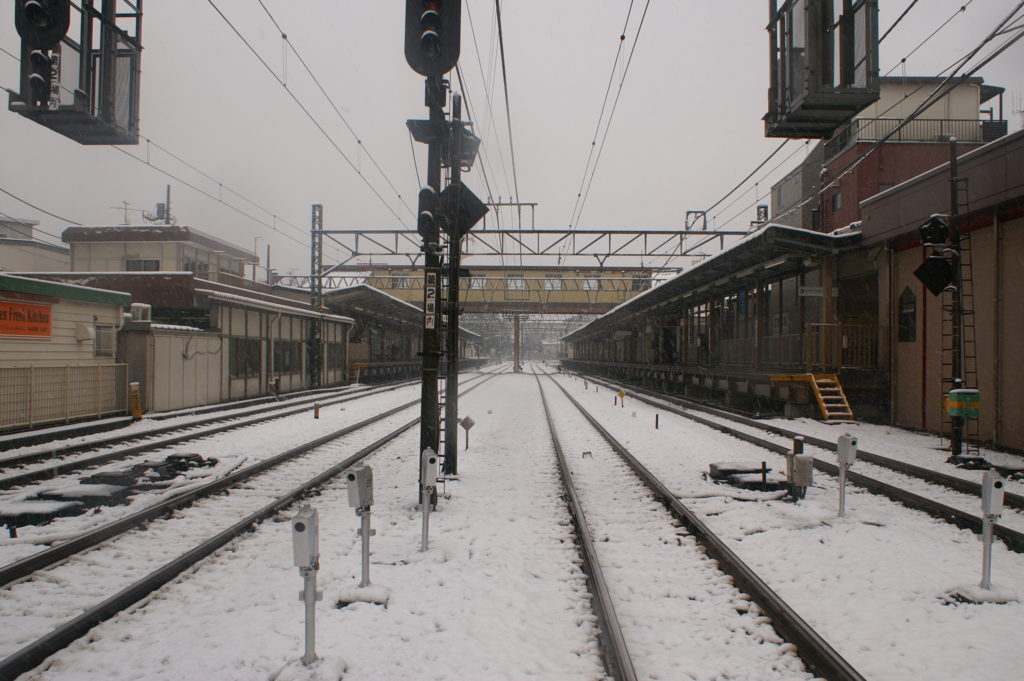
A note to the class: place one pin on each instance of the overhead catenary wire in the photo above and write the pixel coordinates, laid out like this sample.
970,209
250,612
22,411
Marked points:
41,210
488,90
600,116
291,46
898,20
937,94
308,114
611,115
209,195
508,107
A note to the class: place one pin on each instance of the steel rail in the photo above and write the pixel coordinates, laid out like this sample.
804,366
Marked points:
936,477
814,650
42,559
37,561
33,654
23,459
1013,539
617,660
240,421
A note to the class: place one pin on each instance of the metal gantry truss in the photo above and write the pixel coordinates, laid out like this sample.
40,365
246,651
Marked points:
568,246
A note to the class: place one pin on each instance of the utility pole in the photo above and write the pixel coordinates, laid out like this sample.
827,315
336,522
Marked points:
316,294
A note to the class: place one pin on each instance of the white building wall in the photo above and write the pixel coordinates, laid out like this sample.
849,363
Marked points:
63,348
187,366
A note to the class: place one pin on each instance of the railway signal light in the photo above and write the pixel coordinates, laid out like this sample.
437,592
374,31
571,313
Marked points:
40,76
426,223
432,30
42,22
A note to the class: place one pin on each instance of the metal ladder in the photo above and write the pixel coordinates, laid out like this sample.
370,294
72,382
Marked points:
967,341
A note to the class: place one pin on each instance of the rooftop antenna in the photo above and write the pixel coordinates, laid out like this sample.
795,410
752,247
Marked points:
163,211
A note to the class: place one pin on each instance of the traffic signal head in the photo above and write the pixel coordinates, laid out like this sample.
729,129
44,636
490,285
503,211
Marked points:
432,29
42,22
426,223
935,231
40,76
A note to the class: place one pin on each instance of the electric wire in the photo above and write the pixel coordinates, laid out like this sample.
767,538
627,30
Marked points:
958,12
222,185
937,94
211,196
600,116
34,228
508,107
41,210
306,111
290,45
899,19
611,115
488,90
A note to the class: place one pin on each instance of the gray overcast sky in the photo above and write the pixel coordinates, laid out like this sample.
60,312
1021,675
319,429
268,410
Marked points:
687,128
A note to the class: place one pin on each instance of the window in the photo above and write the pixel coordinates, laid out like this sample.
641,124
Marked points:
641,283
477,283
287,357
553,282
515,282
837,202
335,354
907,315
245,357
142,265
104,341
592,282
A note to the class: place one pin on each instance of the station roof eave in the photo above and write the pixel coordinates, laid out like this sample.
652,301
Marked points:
363,297
777,249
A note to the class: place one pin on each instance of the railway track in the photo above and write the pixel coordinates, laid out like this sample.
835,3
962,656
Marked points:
99,558
632,548
61,460
760,434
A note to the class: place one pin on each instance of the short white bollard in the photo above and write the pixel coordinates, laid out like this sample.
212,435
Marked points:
306,549
992,491
846,454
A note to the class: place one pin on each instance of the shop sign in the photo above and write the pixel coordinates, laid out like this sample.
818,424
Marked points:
21,319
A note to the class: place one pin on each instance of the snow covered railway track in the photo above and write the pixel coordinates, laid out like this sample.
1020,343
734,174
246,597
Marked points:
127,562
125,565
909,486
57,461
662,580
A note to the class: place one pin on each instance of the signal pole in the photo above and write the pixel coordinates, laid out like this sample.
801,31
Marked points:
451,392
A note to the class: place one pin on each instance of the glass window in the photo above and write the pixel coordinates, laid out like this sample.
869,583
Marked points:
592,282
515,282
104,341
142,265
907,316
245,357
477,283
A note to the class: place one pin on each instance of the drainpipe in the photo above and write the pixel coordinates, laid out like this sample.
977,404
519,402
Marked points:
270,361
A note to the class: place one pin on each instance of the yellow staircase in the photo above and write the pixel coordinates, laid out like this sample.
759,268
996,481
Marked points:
828,392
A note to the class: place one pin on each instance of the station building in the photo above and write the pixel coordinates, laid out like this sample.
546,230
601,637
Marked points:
201,333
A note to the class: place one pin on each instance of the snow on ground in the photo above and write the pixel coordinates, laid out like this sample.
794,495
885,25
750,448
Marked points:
874,583
499,595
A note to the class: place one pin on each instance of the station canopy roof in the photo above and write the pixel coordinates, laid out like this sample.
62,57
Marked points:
772,250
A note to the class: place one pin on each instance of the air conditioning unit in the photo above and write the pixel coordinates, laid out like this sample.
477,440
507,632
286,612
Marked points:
141,312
